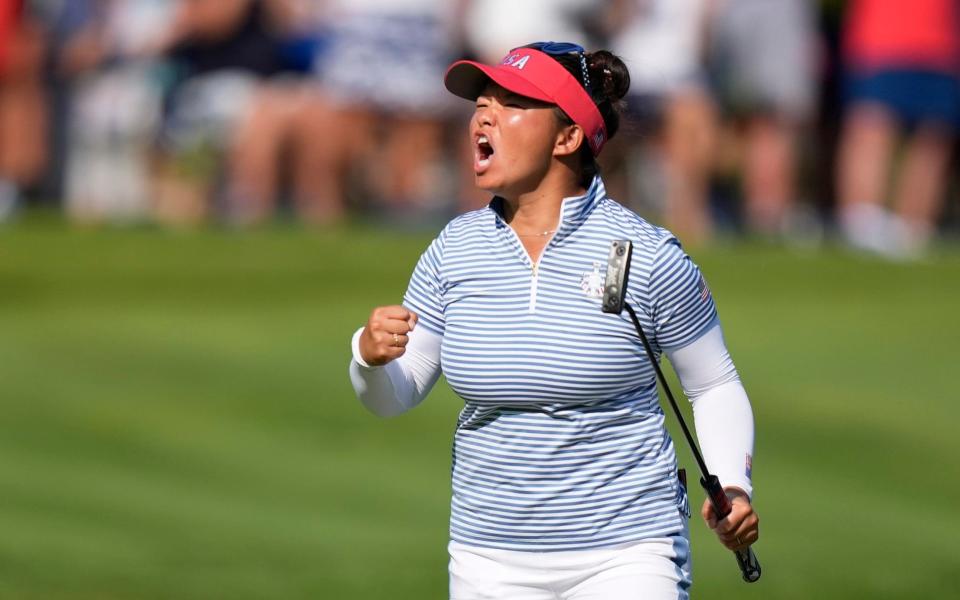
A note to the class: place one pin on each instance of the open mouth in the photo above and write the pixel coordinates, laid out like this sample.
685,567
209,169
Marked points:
484,151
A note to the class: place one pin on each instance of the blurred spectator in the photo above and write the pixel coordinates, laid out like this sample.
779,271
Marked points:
902,69
225,53
158,88
115,106
370,121
23,117
667,166
274,139
761,56
377,125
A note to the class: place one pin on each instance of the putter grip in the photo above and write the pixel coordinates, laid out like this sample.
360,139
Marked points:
746,559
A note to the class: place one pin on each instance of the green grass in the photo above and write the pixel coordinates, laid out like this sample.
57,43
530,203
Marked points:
176,421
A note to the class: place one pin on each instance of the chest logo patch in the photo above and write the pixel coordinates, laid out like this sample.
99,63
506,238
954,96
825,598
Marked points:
592,282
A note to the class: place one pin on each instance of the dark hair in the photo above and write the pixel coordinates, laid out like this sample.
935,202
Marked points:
609,82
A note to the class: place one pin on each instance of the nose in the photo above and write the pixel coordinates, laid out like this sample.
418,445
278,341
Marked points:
484,115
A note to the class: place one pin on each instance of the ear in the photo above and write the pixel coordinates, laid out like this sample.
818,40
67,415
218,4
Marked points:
568,140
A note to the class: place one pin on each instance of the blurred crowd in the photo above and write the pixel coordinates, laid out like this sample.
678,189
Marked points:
787,119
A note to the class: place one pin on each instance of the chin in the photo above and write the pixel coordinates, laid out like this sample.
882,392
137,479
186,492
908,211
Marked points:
487,184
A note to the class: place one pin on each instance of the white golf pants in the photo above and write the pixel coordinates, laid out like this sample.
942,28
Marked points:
655,569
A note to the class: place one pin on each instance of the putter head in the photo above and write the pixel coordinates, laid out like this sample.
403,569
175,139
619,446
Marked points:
615,284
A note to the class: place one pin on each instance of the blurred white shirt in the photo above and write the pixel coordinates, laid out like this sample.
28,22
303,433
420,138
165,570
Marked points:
661,44
494,27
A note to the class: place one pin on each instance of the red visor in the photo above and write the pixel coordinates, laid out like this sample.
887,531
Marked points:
533,74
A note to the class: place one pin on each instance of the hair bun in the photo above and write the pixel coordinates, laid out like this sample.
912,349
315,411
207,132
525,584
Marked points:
610,77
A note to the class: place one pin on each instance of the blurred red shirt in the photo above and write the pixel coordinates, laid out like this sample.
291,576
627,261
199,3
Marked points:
9,13
903,34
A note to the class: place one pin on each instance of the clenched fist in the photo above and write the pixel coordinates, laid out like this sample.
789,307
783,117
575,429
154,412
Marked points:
385,336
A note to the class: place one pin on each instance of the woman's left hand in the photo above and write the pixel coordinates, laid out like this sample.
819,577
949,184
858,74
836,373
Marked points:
741,527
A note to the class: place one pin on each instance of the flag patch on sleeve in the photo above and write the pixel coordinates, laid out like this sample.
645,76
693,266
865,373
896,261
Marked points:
704,290
749,469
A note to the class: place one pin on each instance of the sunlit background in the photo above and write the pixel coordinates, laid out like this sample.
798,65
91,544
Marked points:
201,200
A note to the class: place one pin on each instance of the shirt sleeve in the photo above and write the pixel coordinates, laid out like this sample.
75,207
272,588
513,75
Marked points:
722,413
425,292
681,303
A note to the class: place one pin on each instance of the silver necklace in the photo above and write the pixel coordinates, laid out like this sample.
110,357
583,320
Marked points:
537,234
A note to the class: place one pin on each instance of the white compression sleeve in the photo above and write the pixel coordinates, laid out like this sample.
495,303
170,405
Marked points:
721,410
402,383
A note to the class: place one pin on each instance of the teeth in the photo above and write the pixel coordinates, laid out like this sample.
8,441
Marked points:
482,140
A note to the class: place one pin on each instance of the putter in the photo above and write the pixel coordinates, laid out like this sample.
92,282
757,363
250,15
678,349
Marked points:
614,292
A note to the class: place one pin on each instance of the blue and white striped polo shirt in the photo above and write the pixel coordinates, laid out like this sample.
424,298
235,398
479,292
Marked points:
561,444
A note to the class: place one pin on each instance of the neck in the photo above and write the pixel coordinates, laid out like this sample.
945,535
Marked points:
538,210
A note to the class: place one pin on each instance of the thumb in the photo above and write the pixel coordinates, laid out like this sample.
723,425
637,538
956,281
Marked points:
412,321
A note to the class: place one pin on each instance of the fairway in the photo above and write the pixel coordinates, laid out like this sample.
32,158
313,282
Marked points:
176,421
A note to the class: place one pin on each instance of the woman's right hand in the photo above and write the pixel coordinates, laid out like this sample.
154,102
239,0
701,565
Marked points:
384,338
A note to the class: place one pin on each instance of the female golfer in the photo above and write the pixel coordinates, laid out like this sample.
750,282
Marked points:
564,477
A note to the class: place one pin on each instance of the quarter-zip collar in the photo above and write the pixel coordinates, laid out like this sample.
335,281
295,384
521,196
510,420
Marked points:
574,210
